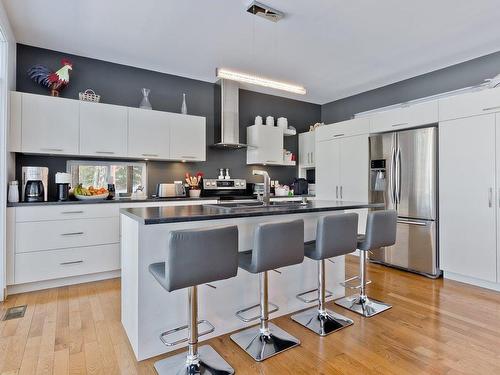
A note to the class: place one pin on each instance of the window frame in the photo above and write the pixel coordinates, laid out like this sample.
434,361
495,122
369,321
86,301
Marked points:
108,165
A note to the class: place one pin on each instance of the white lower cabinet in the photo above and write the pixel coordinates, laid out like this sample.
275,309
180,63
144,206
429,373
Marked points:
47,243
468,200
54,264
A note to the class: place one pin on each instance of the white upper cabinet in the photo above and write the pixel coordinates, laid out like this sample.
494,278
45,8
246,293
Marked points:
306,149
187,137
265,145
49,125
103,129
343,129
148,134
15,122
405,117
469,104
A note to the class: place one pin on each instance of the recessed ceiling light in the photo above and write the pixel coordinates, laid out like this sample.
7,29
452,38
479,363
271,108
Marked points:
222,73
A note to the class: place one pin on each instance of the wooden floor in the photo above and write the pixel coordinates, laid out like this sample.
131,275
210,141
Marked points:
435,327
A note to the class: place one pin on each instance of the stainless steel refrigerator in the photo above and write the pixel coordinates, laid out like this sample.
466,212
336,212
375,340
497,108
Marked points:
403,175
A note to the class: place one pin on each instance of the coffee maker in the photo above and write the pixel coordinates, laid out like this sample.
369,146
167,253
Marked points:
63,180
34,180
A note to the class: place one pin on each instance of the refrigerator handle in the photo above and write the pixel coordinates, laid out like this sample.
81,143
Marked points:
398,176
391,177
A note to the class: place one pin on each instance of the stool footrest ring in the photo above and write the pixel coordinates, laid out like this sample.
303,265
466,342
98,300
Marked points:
163,336
346,285
239,313
301,298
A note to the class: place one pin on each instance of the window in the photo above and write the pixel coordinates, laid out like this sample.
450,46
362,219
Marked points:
127,177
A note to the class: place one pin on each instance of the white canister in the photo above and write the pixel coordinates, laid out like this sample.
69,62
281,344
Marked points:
258,120
270,120
13,196
283,122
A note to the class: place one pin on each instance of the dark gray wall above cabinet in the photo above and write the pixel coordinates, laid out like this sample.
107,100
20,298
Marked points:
454,77
121,85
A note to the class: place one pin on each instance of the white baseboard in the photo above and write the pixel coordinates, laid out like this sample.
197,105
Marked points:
471,281
39,285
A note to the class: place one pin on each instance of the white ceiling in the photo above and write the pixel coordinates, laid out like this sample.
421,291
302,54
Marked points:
334,48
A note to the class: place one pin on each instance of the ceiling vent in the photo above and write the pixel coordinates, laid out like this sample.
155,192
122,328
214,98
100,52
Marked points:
265,12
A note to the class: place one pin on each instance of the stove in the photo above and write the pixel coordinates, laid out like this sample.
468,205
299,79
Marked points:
232,189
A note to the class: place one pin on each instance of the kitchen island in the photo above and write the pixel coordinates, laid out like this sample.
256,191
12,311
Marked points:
148,310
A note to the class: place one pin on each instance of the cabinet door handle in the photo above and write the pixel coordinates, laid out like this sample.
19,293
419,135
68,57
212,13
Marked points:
72,262
341,192
400,124
105,152
188,157
337,192
491,108
312,157
339,135
150,155
309,157
271,161
72,212
72,234
52,149
490,197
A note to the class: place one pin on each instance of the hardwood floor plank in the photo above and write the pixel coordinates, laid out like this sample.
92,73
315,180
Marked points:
434,327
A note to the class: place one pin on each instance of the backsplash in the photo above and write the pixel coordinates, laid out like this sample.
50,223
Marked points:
121,85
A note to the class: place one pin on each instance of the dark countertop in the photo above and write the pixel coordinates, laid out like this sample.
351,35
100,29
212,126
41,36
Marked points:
126,201
162,215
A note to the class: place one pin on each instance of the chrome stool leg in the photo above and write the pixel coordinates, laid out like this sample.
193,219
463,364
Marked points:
360,303
199,360
267,339
320,320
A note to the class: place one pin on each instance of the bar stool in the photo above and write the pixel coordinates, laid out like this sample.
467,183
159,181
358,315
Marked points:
336,235
196,257
380,232
276,245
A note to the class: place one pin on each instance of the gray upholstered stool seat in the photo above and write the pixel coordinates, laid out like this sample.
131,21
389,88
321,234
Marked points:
188,266
380,232
276,245
336,236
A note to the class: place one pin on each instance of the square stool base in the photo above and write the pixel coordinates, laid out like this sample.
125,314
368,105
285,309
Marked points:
322,324
211,363
261,347
367,307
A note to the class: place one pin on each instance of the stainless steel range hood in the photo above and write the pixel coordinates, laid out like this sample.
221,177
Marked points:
226,115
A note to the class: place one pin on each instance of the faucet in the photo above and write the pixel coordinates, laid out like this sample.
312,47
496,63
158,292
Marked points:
267,185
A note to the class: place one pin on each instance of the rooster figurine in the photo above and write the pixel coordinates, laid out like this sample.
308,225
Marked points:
55,81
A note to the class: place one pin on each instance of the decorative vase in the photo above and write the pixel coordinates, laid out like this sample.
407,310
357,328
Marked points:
145,104
194,193
184,109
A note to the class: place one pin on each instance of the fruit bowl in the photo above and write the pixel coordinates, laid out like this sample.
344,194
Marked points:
96,197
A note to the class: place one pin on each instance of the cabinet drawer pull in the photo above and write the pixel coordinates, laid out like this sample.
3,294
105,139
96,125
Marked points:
339,135
151,155
52,149
491,108
188,157
105,152
72,262
400,124
72,212
271,161
72,234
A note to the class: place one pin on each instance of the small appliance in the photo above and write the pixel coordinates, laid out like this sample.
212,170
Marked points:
170,190
34,180
300,186
63,180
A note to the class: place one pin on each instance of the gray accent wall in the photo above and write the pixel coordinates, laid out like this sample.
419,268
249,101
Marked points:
121,85
457,76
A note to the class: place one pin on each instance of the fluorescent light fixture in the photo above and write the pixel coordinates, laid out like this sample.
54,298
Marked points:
222,73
